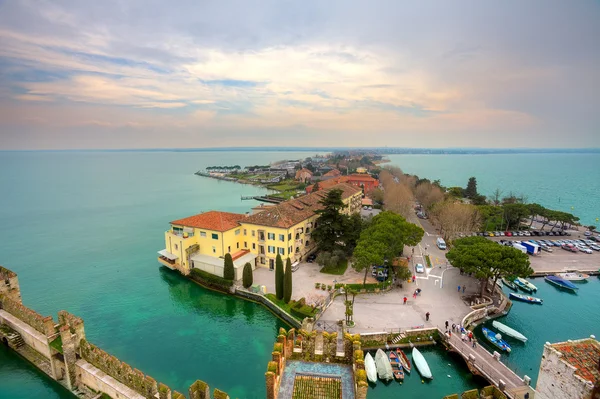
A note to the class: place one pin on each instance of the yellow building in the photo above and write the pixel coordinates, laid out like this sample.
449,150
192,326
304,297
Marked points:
201,241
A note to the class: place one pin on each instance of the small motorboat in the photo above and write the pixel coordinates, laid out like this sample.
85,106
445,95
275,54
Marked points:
525,298
509,284
495,339
421,364
384,368
398,373
503,328
521,282
394,360
370,368
573,276
561,283
403,360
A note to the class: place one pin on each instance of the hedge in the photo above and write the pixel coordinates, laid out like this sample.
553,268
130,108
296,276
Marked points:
303,311
211,280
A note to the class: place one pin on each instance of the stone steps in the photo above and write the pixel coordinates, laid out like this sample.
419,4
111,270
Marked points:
398,338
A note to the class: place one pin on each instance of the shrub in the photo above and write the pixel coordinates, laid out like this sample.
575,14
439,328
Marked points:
472,394
323,287
287,282
272,367
278,347
317,285
302,301
228,270
358,355
279,277
210,280
361,376
247,278
303,311
328,288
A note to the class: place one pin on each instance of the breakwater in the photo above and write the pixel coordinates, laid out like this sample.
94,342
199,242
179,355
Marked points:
61,350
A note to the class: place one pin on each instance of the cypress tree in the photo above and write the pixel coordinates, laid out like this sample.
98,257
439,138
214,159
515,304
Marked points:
228,271
287,283
471,190
279,277
247,278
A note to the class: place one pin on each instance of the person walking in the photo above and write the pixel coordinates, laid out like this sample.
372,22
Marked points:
459,288
414,278
415,295
427,316
446,324
453,326
474,344
464,288
405,299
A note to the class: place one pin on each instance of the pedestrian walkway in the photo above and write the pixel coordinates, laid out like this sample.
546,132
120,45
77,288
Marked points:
490,367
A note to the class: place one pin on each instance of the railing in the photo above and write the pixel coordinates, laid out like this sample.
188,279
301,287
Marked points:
180,233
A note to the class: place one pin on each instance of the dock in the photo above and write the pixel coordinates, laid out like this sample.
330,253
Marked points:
262,198
489,366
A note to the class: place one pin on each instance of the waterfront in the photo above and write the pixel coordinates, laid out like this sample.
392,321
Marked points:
82,230
556,181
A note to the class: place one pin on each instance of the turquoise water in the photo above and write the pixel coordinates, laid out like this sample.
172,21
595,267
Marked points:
567,182
82,230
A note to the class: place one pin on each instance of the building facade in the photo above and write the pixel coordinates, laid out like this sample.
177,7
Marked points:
570,370
201,241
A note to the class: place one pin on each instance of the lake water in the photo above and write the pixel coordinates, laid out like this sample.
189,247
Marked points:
82,230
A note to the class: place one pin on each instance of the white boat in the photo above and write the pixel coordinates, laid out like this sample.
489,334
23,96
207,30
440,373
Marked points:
370,368
421,363
509,331
527,284
384,368
573,276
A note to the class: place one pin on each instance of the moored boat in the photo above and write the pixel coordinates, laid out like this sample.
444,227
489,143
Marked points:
522,286
370,368
526,298
573,276
561,283
509,284
496,339
398,373
421,364
384,368
526,283
394,360
403,360
503,328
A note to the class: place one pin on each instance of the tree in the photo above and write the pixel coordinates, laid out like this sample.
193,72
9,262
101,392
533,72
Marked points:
453,218
535,210
331,225
279,277
316,187
486,259
514,213
349,306
385,238
456,192
287,281
228,270
377,195
247,278
403,273
479,200
496,196
428,194
471,190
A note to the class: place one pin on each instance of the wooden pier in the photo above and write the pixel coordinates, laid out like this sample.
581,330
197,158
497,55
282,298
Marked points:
481,362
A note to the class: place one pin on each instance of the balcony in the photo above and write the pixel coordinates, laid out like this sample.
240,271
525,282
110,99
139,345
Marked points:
181,234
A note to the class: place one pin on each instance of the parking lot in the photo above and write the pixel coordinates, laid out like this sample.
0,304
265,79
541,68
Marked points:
559,259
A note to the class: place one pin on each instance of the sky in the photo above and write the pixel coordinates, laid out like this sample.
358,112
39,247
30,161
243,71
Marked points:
78,74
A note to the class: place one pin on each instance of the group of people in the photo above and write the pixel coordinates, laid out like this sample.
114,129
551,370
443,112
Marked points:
417,292
464,333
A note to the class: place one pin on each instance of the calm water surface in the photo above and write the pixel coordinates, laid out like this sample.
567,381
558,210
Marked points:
82,230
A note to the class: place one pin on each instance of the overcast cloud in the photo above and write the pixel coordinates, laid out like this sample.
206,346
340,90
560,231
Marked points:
193,73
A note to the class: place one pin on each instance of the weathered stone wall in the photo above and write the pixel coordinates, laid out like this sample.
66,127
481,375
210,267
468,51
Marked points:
97,380
274,308
30,335
45,325
9,284
76,325
557,379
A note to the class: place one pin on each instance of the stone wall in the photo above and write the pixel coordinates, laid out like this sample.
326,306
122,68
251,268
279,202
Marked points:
557,378
45,325
30,335
9,284
292,321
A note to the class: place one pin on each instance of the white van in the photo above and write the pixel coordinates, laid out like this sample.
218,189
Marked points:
441,244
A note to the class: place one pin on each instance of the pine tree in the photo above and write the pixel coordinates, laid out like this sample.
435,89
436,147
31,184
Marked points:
471,190
287,283
228,271
247,278
279,277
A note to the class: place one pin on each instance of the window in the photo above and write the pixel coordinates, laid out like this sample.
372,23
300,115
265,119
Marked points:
271,249
307,230
253,246
297,236
307,242
271,236
245,244
297,249
253,233
214,250
289,236
237,232
281,251
215,236
262,260
237,245
289,250
281,237
229,249
245,232
203,234
176,247
262,249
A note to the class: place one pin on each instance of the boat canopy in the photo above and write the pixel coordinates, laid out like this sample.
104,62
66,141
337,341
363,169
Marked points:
167,254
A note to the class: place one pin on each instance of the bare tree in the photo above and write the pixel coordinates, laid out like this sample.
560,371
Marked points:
453,218
496,197
428,194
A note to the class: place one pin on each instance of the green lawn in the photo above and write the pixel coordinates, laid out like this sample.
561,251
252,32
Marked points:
339,269
281,304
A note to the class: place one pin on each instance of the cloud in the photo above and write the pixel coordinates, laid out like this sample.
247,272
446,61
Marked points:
396,72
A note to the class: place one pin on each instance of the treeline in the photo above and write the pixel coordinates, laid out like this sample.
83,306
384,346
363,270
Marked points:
234,167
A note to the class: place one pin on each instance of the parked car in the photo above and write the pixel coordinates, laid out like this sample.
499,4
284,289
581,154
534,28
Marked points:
546,248
587,233
595,247
311,258
586,250
508,233
570,247
419,268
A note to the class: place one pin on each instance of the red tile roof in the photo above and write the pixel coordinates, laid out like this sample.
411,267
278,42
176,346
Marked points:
584,355
292,212
333,172
212,220
239,254
360,177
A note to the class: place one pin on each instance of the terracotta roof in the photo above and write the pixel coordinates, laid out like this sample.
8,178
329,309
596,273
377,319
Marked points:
239,254
325,184
292,212
584,355
359,177
212,220
333,172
